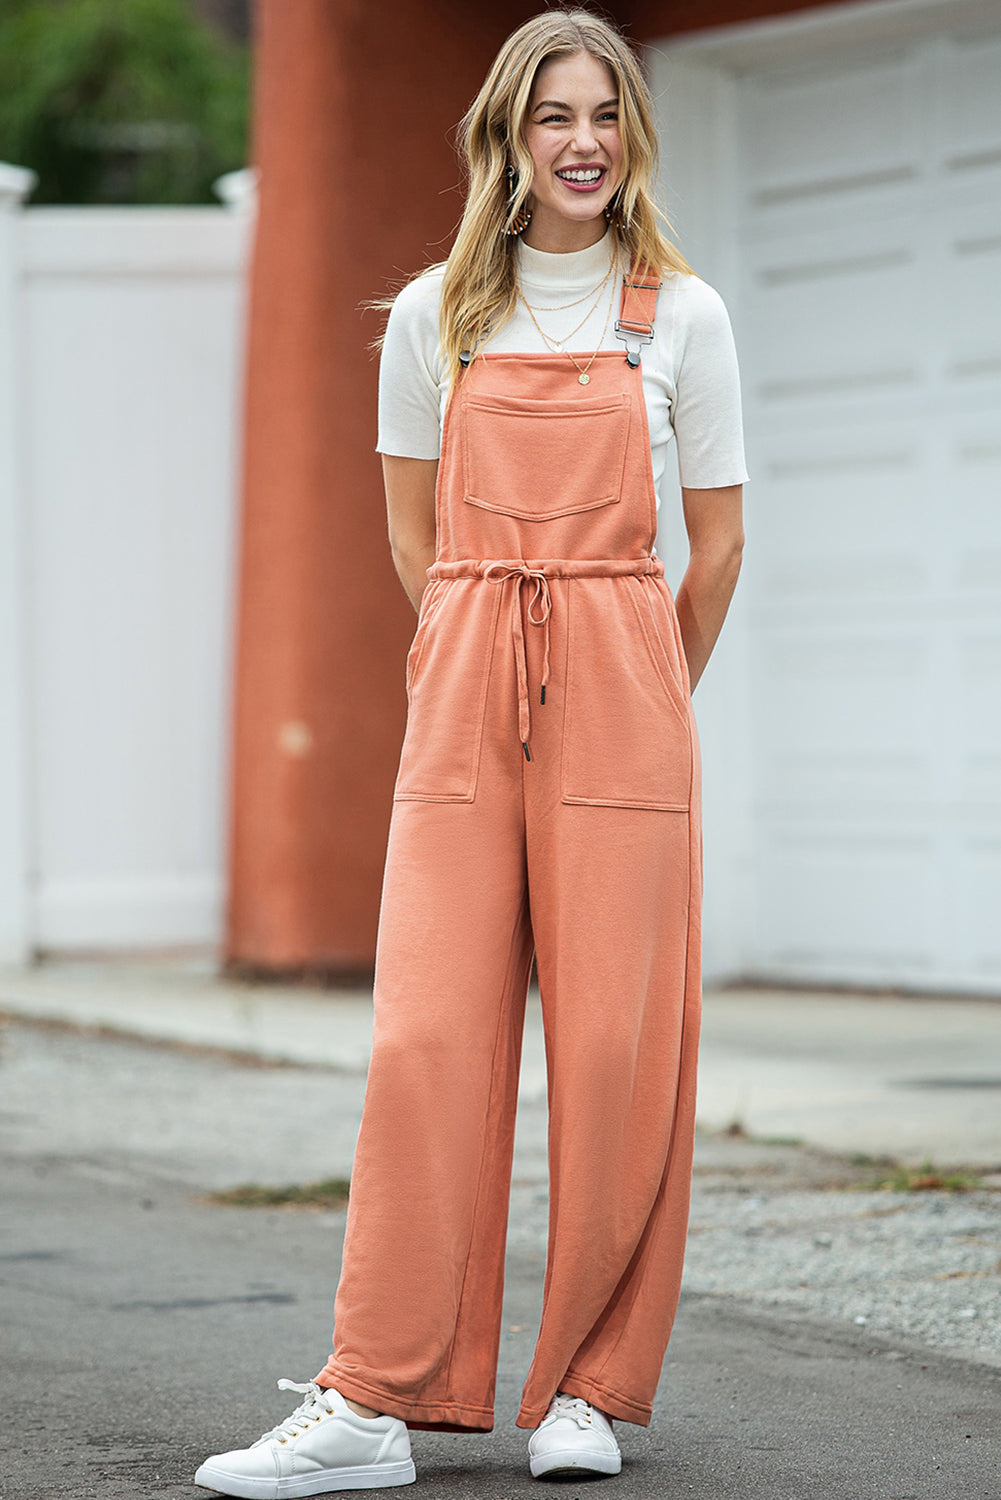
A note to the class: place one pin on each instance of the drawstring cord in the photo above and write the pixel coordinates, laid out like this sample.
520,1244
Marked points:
540,603
540,607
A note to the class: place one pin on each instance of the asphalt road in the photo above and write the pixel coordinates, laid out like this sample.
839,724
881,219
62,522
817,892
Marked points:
144,1327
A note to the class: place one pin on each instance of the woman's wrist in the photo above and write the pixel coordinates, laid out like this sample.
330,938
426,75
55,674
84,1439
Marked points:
413,572
702,603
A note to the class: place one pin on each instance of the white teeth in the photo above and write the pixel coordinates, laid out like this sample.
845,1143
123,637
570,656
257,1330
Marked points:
591,174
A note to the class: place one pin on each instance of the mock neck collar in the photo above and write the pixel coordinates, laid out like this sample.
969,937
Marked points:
574,271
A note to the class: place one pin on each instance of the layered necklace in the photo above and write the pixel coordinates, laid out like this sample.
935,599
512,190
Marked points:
556,346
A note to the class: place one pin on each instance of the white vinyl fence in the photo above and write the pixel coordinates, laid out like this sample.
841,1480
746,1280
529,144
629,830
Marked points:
120,365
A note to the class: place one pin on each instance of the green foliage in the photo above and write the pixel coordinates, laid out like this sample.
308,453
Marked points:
926,1178
332,1192
119,101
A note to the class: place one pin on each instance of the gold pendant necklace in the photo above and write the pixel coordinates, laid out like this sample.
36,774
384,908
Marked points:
557,344
583,377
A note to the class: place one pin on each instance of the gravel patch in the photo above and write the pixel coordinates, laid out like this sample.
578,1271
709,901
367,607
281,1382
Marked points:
925,1265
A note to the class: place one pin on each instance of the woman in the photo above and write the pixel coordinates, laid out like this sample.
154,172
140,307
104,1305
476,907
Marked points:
548,791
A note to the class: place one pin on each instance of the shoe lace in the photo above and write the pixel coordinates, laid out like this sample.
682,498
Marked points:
574,1407
306,1413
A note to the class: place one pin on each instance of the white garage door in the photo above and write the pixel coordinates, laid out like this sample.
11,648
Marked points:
869,297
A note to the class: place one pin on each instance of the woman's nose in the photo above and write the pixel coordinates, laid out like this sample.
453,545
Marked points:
583,138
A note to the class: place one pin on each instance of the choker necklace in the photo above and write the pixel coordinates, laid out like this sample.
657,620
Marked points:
595,292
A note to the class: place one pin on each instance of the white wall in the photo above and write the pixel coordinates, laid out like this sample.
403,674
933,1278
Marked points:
119,392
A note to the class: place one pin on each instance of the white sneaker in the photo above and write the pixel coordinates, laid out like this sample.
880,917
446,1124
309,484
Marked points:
573,1436
322,1446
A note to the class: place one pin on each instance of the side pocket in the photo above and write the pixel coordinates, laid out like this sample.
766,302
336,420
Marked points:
627,738
431,600
448,670
655,605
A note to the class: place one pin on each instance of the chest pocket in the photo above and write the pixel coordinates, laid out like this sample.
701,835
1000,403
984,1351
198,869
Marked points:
539,460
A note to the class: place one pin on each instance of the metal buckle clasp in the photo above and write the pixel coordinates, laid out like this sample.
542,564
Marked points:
631,333
633,340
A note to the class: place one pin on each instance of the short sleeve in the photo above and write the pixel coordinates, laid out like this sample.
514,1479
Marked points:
409,373
706,416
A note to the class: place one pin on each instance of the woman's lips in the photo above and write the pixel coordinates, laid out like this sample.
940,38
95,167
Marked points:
586,179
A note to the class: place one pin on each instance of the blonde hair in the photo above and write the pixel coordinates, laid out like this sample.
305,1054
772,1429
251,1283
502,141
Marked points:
479,291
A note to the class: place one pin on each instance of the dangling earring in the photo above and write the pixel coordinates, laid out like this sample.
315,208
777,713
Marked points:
613,211
523,217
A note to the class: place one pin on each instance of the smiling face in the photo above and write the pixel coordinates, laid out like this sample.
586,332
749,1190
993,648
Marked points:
572,135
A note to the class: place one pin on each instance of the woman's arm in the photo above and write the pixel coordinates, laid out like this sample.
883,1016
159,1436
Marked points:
716,541
410,484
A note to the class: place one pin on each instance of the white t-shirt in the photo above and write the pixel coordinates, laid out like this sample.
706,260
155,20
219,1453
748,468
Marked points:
690,379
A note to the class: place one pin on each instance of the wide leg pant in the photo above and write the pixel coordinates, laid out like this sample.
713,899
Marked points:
608,896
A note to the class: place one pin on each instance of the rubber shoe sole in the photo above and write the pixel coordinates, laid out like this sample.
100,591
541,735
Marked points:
574,1461
320,1482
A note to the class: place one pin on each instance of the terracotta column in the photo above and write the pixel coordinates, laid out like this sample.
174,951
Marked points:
355,105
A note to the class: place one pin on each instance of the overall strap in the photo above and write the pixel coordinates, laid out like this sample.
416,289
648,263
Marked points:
637,310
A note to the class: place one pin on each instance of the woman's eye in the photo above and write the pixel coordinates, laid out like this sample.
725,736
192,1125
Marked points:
611,116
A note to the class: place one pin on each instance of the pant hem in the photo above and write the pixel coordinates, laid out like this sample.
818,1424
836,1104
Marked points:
429,1416
612,1403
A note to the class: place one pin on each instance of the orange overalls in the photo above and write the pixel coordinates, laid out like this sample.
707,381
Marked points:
547,799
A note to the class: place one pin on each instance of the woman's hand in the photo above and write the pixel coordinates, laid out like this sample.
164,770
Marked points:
410,486
716,541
